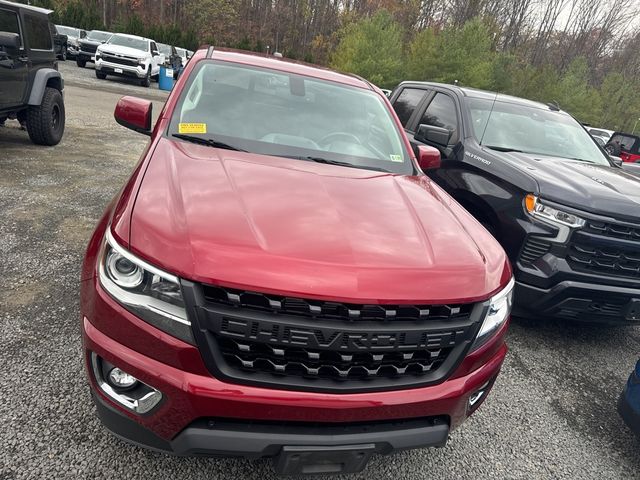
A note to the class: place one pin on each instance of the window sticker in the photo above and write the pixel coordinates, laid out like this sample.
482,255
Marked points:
192,128
395,158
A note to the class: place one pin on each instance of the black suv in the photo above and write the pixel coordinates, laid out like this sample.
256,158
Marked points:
566,213
30,85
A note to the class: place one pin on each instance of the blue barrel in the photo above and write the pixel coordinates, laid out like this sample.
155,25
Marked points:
165,78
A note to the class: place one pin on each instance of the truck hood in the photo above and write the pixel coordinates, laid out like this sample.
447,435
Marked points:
127,51
594,188
279,225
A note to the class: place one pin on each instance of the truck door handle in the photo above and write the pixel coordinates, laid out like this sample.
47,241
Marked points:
24,59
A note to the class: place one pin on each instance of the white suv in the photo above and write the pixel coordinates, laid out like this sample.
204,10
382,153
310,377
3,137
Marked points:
129,56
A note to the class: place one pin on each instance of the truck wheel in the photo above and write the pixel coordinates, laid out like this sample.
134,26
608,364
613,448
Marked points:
63,57
45,122
81,63
100,75
146,81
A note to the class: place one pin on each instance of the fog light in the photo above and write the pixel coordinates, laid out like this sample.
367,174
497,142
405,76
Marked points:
124,389
121,379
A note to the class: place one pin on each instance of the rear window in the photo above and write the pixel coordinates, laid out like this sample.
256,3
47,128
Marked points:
38,32
9,22
627,142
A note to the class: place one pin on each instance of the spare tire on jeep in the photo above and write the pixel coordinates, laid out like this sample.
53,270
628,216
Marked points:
45,122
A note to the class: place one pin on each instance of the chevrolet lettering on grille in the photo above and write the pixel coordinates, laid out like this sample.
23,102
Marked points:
332,339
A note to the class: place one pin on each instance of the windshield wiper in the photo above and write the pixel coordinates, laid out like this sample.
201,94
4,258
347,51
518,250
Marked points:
210,142
503,149
342,164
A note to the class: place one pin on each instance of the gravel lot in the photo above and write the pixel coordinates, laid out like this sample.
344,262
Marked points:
551,414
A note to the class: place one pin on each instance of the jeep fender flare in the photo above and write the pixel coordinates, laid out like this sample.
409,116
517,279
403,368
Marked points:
44,77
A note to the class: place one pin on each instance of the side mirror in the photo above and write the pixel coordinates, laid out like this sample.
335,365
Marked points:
10,40
83,34
617,161
134,113
428,157
155,53
433,134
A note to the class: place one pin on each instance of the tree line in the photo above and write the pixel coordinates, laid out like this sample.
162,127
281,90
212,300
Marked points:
580,54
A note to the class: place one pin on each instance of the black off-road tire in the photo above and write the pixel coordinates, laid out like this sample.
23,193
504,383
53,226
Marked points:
81,63
63,56
100,75
45,122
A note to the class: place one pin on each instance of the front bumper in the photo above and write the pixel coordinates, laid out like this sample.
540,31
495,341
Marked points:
579,301
121,70
191,396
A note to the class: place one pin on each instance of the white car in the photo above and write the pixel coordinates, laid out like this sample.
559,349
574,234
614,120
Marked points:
129,56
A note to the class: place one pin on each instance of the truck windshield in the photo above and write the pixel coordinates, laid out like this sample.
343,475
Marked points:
98,36
131,42
69,31
272,112
509,126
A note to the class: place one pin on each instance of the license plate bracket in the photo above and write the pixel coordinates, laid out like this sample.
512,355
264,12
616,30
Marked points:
310,460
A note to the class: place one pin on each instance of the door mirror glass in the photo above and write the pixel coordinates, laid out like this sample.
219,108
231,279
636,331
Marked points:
134,113
428,157
83,34
433,134
9,40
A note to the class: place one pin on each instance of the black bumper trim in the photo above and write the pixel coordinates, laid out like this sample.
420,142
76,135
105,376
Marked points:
255,440
578,301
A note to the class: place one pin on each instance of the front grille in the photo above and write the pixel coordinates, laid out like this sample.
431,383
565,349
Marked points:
608,260
294,343
533,249
119,60
626,232
88,48
607,248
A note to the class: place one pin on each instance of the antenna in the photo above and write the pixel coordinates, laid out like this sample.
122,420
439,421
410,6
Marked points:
488,118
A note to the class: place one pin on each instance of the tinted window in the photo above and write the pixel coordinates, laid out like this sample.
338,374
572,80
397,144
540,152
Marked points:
407,102
38,32
9,22
441,112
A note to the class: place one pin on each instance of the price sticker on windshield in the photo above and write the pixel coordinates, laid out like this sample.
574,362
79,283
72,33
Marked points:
395,158
192,128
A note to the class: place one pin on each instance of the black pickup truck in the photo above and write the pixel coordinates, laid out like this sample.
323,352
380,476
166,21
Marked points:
567,214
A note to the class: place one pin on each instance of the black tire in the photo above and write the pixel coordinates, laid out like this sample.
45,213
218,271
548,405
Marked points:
45,122
146,81
81,63
63,57
100,75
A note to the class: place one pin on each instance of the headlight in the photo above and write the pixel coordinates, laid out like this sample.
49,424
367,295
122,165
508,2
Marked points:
148,292
498,313
141,61
537,209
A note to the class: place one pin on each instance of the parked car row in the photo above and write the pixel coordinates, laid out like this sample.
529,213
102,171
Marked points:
122,55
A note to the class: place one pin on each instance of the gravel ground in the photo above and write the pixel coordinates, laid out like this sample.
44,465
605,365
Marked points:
551,414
